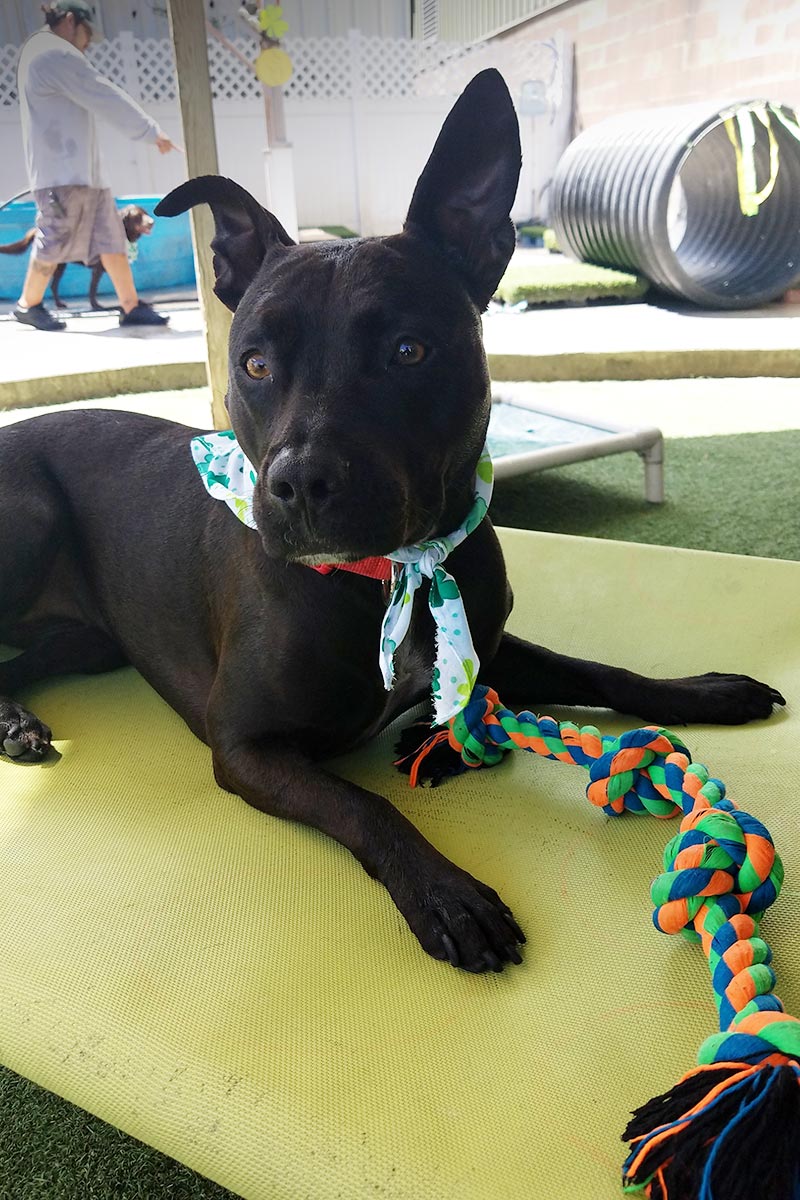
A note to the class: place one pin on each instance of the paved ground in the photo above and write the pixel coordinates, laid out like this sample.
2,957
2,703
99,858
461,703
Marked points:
642,341
94,357
638,341
679,408
557,345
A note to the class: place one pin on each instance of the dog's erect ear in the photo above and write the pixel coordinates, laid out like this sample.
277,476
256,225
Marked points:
244,230
464,196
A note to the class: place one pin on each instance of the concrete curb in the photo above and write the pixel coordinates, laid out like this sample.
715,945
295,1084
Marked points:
535,368
645,364
90,385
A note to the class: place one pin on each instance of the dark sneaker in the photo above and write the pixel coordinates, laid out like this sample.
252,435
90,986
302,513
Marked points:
143,314
38,316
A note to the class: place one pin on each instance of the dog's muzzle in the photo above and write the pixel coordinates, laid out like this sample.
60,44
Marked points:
306,498
303,487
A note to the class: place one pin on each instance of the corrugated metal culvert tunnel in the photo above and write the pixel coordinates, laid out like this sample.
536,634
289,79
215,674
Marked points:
704,203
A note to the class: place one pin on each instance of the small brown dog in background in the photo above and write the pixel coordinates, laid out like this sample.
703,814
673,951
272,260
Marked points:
138,223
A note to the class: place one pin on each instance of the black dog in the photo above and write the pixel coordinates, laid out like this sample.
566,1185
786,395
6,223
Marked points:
138,223
359,389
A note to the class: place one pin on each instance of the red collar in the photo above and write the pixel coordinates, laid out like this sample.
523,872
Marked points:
374,568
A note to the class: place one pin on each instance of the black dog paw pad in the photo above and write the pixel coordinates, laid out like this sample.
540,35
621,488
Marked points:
13,748
23,737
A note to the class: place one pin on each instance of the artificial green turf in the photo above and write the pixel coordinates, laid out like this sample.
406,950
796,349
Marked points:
530,231
738,494
336,232
340,231
565,281
51,1150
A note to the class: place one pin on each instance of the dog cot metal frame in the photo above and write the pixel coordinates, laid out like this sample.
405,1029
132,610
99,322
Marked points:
613,438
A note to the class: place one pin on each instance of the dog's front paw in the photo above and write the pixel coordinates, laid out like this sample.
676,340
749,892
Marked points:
23,736
464,922
717,699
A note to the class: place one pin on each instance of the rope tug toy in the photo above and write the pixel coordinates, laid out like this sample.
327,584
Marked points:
730,1128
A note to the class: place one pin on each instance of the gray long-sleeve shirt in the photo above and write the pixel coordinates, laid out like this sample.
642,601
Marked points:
60,92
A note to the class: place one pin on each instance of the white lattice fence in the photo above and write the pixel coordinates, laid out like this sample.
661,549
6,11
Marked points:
108,57
362,114
231,79
8,76
155,71
322,69
339,68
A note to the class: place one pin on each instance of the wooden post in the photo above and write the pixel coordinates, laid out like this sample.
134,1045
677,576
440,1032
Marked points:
187,29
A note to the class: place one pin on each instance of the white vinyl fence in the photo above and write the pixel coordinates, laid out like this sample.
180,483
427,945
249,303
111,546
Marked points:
362,115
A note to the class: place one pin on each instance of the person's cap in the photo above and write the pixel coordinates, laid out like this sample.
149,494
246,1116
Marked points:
82,12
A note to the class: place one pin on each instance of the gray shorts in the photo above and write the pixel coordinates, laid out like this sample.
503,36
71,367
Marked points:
77,224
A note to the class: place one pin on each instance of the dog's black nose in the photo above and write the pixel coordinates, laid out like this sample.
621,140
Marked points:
304,481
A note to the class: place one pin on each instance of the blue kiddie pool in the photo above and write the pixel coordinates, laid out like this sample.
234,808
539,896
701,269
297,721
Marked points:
164,260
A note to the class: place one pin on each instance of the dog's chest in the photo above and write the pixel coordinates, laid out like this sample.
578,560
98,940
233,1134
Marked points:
325,664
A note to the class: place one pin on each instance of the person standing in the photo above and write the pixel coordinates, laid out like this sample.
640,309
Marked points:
76,217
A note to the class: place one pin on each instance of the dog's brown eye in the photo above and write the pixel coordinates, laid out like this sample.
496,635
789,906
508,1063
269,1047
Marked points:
408,352
256,367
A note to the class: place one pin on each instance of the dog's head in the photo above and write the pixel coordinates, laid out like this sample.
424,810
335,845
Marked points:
358,383
137,221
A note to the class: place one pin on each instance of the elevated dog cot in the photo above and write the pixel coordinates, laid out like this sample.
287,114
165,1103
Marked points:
527,435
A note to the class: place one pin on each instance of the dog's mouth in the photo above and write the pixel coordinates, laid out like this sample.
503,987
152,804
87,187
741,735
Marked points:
348,533
317,546
334,559
321,550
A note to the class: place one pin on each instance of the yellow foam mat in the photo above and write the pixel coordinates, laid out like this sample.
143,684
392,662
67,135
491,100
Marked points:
238,993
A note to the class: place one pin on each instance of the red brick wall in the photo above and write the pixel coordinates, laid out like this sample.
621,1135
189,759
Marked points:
638,53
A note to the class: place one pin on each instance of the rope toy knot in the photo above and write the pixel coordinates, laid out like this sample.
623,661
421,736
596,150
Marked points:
762,1033
626,773
719,851
630,775
730,1128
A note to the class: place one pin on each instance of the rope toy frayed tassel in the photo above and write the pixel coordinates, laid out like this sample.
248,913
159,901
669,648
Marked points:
425,755
724,1132
730,1129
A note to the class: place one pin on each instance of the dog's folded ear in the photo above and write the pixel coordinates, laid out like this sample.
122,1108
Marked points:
463,198
244,230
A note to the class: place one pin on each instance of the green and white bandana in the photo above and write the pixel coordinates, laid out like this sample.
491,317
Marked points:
456,668
229,476
227,472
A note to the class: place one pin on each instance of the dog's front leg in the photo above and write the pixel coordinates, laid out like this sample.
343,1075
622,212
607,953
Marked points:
454,916
523,673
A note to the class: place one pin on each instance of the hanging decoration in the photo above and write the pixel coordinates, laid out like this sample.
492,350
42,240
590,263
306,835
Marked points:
273,65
